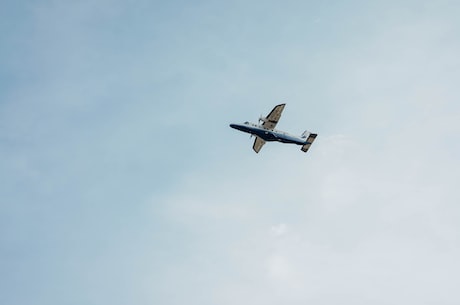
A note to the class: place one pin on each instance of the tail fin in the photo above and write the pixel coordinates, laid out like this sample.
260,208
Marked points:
310,139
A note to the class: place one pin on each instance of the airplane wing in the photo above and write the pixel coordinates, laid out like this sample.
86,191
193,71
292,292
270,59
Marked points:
273,117
258,143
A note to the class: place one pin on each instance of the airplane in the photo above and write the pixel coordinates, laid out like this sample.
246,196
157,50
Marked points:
266,131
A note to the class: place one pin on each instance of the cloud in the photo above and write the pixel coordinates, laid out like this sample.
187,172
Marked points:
368,215
279,230
115,105
348,223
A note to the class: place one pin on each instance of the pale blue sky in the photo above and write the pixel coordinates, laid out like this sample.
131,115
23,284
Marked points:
121,182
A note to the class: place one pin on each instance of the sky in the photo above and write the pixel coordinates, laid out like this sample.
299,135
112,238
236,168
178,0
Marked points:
122,183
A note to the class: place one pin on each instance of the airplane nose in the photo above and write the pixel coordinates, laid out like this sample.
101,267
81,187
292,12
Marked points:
233,126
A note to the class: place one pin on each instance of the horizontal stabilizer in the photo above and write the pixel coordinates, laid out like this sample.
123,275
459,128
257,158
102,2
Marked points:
310,140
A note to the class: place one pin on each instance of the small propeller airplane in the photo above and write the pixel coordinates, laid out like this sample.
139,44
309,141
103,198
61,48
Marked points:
266,131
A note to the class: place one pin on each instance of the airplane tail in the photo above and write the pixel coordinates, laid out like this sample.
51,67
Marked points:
310,137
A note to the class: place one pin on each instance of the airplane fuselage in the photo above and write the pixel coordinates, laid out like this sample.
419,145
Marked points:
269,135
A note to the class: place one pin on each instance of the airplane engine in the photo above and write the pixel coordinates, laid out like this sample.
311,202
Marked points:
262,119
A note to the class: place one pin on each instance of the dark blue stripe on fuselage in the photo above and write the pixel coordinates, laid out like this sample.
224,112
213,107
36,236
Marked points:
268,135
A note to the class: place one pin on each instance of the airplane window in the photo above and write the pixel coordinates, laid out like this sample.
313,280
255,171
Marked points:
246,122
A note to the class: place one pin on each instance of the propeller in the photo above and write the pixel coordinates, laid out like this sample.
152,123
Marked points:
262,119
